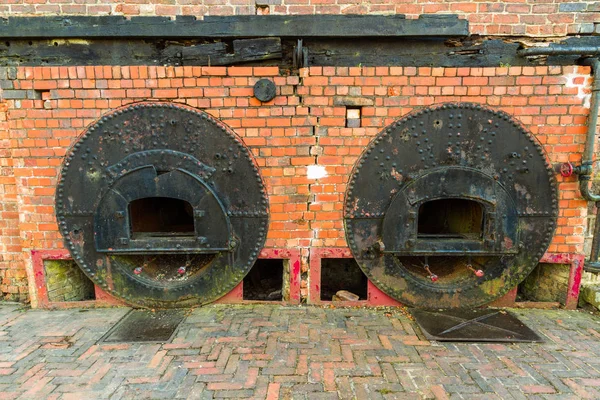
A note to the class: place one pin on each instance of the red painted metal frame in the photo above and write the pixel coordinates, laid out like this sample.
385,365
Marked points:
236,296
104,299
375,297
576,261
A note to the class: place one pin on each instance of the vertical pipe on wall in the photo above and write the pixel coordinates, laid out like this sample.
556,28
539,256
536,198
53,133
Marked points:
585,170
585,175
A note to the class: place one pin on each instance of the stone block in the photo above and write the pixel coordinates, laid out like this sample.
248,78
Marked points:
586,28
353,123
14,94
352,101
590,293
572,7
6,84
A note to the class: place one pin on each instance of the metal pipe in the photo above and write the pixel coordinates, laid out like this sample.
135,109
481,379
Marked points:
595,251
585,173
591,266
560,51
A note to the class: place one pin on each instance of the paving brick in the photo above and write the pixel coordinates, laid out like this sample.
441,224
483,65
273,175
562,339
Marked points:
348,360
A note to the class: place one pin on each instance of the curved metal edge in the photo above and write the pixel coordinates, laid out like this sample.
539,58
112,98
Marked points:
415,113
70,154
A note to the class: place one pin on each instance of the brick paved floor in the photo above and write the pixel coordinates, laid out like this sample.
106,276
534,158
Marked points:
261,351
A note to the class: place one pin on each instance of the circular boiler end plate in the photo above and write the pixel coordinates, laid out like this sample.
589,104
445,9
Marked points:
451,206
162,205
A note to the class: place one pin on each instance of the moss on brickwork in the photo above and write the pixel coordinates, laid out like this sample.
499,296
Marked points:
547,282
66,282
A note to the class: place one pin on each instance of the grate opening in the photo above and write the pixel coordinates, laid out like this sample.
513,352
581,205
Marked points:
265,281
166,269
161,216
65,281
342,274
449,219
448,270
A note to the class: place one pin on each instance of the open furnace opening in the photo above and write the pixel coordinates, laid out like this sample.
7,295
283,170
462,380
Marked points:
157,217
450,219
161,216
451,206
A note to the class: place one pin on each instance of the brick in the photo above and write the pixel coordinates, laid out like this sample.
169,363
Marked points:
14,94
282,133
572,7
240,71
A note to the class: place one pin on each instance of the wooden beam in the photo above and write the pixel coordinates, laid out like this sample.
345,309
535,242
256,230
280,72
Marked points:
350,52
284,26
244,50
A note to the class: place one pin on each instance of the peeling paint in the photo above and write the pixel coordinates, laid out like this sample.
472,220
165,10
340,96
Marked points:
583,89
316,172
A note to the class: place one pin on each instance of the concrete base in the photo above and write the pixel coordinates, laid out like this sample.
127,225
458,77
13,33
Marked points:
590,293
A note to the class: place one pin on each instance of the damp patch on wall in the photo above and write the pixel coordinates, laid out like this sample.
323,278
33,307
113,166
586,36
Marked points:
66,282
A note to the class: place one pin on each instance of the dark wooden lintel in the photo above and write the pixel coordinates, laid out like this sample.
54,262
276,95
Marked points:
283,26
243,51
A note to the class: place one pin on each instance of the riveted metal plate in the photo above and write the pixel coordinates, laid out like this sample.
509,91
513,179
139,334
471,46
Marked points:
478,325
145,326
453,151
162,150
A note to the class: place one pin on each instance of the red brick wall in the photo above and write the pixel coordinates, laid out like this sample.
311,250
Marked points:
301,127
13,279
491,17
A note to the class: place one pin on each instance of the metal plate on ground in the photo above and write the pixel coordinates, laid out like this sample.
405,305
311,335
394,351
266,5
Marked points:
145,326
475,325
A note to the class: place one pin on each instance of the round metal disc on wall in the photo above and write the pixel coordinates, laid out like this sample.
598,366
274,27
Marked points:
162,205
264,90
451,206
